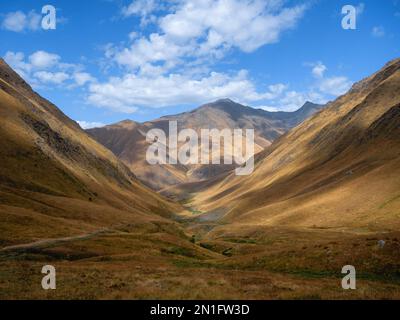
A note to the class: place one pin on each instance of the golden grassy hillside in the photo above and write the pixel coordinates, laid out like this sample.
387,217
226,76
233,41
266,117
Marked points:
320,198
338,169
55,180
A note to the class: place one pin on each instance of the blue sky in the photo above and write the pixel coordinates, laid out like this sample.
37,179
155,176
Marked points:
110,60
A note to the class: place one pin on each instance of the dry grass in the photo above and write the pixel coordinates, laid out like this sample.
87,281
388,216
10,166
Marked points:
152,261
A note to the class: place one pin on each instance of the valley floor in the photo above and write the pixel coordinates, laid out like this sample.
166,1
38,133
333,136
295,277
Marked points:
158,261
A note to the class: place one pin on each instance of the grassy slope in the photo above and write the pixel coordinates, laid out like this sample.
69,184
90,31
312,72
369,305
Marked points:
338,169
127,252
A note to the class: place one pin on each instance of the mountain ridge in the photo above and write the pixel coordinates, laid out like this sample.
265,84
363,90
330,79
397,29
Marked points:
52,168
349,145
127,138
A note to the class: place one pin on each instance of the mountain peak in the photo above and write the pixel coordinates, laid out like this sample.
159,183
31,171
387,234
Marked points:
311,105
221,103
225,100
126,124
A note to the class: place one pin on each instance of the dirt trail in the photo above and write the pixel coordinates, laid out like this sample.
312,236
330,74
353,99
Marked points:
56,241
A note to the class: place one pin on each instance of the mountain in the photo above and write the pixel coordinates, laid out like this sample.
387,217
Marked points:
55,180
322,196
338,169
127,138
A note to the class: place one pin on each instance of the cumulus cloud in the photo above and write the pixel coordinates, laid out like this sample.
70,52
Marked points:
17,61
132,91
321,91
173,65
194,29
90,125
19,21
146,10
333,86
81,78
51,77
42,68
140,7
43,60
224,21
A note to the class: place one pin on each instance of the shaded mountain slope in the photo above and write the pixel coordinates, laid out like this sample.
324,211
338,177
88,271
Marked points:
56,176
340,168
127,138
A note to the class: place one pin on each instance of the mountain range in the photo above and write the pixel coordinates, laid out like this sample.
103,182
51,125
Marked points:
127,139
324,194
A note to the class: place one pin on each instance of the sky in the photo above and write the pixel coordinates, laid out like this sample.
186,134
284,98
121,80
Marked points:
111,60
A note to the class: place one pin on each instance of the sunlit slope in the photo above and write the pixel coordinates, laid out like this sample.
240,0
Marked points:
55,179
340,168
127,139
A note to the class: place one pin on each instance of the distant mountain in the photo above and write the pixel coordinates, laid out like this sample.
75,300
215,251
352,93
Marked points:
226,113
338,169
55,177
127,138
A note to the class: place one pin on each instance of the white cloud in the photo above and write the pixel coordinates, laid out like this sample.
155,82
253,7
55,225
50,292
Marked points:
132,91
42,68
133,35
225,21
335,86
277,89
378,32
140,8
318,70
43,60
90,125
51,77
128,93
143,9
208,28
16,61
18,21
321,91
293,100
172,65
81,78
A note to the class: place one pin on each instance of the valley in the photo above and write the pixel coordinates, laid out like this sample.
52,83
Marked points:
324,192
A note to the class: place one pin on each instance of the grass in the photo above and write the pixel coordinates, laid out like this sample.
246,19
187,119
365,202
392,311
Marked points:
132,266
161,259
383,205
241,240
